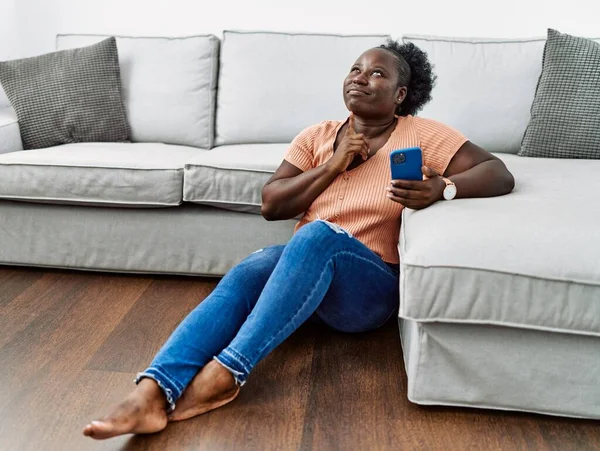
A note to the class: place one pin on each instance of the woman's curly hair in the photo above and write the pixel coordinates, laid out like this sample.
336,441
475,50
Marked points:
416,73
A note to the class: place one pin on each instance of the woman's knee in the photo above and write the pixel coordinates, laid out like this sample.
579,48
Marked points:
268,253
260,262
319,230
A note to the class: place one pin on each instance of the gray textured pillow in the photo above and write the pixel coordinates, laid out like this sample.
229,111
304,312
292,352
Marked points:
68,96
565,114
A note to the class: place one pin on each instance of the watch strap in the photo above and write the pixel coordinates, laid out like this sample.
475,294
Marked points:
447,181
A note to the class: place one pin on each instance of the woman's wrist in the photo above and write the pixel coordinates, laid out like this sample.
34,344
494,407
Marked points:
442,185
332,168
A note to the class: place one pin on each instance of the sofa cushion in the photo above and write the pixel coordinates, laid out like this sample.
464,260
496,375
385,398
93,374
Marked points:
10,136
70,96
169,86
273,85
529,259
138,175
565,115
485,87
232,177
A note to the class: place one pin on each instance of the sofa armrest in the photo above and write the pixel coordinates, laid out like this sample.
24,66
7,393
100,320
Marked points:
10,135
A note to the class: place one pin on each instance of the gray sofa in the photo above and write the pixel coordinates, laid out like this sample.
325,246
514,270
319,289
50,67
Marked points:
499,298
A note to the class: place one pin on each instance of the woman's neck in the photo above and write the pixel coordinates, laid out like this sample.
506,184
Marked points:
373,128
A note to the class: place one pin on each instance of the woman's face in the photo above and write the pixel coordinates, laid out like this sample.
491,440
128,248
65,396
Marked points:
371,88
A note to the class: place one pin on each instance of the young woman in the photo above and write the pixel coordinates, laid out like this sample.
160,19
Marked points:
342,262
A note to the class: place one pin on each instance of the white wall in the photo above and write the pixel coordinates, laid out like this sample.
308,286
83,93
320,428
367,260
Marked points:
40,20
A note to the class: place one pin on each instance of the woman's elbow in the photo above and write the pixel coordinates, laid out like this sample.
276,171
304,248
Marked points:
267,212
509,182
268,209
504,180
505,183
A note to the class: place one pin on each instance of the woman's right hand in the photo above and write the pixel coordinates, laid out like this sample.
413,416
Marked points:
351,145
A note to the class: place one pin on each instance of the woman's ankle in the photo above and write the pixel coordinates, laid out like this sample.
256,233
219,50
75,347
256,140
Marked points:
222,375
150,390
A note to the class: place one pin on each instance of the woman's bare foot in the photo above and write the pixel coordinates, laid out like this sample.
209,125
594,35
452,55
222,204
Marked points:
212,387
142,412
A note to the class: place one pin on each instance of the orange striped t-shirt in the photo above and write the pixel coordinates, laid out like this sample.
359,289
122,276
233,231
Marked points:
356,200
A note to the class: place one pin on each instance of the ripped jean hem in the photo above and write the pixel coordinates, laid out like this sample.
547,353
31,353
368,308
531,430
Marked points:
228,361
157,376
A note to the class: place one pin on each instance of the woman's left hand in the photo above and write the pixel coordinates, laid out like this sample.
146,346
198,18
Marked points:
418,194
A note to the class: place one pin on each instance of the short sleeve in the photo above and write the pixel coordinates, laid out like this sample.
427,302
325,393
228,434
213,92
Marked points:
439,143
301,150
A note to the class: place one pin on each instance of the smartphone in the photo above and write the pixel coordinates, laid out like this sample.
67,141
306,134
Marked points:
406,164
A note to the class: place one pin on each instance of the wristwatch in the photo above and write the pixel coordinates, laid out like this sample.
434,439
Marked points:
450,190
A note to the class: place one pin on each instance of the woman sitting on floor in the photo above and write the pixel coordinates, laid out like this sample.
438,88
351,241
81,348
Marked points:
342,262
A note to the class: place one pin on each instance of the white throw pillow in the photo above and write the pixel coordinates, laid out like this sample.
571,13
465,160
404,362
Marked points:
273,85
169,86
485,87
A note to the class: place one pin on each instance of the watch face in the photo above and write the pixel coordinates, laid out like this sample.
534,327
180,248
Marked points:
450,192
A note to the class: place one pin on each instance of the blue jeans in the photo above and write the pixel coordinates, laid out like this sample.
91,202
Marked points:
260,302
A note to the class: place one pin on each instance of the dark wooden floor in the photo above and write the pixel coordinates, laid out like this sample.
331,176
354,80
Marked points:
71,343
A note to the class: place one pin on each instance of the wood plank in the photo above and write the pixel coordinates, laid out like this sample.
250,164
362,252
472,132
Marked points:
39,302
56,425
6,271
357,392
40,363
14,282
135,341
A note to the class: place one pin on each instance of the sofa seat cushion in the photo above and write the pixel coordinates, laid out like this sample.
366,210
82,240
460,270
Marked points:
232,177
530,259
10,136
137,175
